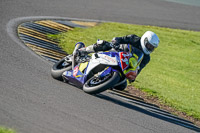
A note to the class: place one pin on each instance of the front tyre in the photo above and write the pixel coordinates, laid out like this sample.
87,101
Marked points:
60,67
95,85
121,87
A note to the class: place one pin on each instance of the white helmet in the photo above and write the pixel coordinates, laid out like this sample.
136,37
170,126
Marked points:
149,41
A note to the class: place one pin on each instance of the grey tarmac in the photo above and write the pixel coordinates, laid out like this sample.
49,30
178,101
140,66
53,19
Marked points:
32,101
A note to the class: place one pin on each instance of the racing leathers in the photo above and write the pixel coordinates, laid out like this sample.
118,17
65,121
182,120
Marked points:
134,40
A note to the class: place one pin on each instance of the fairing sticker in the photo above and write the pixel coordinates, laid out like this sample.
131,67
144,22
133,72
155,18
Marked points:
124,58
75,71
75,76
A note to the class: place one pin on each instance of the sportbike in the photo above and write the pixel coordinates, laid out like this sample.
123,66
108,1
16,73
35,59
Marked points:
96,72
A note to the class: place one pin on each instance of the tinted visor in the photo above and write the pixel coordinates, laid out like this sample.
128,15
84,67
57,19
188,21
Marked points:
148,45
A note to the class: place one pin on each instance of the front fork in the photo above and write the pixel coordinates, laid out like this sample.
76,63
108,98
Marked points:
74,54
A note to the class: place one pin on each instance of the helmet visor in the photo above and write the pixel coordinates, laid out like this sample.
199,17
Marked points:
148,45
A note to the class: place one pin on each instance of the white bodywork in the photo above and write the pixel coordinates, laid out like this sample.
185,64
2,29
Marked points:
102,59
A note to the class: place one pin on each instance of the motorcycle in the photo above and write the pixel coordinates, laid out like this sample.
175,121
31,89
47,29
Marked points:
96,72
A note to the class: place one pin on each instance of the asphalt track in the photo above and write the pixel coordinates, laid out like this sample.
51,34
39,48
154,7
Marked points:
31,101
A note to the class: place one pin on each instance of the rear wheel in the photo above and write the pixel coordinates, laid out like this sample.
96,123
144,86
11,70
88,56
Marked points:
97,85
60,67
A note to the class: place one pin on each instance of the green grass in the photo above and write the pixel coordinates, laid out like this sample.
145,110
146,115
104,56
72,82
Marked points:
6,130
174,71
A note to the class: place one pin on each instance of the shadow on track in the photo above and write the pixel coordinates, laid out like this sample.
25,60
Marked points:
151,110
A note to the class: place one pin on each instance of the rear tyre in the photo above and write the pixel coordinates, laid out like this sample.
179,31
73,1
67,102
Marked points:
58,69
95,85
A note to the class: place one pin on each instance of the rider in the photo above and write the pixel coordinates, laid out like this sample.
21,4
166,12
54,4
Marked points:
147,43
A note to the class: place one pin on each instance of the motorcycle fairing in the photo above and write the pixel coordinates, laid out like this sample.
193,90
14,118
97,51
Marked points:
106,58
75,76
83,66
78,76
105,72
124,58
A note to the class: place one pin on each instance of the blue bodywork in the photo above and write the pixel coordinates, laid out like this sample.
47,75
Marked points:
78,78
113,54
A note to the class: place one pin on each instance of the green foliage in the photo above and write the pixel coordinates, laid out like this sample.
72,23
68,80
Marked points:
6,130
174,71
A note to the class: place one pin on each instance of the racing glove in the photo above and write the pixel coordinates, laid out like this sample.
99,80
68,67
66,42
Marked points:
101,45
115,44
81,52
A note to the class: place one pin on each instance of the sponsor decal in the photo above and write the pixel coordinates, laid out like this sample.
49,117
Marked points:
75,71
108,58
125,60
68,73
124,57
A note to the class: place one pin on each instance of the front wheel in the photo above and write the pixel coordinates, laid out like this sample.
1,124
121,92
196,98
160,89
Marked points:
60,67
96,85
121,87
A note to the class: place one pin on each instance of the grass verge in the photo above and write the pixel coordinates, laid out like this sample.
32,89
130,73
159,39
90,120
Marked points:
6,130
173,74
